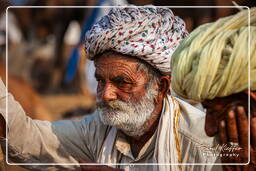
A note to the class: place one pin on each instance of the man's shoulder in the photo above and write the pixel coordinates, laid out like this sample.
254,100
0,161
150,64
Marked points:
93,121
90,125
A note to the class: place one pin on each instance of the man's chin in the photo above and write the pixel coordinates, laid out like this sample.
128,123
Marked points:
107,120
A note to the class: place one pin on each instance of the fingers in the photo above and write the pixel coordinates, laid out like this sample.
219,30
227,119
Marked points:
229,131
253,158
242,127
236,124
253,141
253,132
222,132
235,129
232,127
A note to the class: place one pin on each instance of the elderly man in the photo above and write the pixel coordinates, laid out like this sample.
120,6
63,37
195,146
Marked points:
138,125
212,67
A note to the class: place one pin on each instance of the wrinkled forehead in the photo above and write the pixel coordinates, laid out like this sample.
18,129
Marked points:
110,57
113,64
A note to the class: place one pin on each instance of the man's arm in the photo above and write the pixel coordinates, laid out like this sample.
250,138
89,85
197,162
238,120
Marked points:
34,141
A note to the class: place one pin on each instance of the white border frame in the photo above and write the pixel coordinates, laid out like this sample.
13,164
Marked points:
124,164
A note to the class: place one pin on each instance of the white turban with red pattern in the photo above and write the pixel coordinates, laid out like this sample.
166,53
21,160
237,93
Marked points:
149,33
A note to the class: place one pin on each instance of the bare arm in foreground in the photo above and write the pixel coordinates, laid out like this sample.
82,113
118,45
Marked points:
34,141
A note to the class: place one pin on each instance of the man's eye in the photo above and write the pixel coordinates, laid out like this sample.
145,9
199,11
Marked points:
123,85
124,82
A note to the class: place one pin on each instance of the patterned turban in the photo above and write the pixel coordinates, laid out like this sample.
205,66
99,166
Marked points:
214,60
149,33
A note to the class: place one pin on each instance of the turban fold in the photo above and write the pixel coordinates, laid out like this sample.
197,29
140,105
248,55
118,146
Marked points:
214,60
149,33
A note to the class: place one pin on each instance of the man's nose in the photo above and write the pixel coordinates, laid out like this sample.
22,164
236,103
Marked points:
109,92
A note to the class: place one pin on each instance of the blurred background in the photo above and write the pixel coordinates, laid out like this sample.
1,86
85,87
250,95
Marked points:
48,72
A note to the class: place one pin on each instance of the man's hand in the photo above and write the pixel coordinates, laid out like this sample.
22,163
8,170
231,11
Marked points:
96,168
234,132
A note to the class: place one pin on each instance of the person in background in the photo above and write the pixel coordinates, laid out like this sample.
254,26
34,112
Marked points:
211,66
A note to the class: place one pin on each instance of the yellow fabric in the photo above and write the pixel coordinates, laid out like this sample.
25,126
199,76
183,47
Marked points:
213,60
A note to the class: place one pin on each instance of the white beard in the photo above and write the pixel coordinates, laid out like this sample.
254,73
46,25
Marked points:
130,118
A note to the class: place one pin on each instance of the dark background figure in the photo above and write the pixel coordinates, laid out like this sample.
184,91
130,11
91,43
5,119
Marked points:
228,118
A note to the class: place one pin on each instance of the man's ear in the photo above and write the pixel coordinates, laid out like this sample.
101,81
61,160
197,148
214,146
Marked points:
164,85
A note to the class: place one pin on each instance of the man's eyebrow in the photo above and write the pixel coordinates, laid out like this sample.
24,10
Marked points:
120,78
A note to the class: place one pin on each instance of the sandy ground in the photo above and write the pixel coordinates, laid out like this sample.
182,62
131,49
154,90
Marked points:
59,104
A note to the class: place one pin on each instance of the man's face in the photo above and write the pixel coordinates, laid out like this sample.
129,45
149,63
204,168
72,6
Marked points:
121,93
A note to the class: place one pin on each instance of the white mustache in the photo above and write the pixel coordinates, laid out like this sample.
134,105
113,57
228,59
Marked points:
113,105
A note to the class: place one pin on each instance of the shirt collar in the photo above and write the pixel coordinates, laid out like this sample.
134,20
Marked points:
123,146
